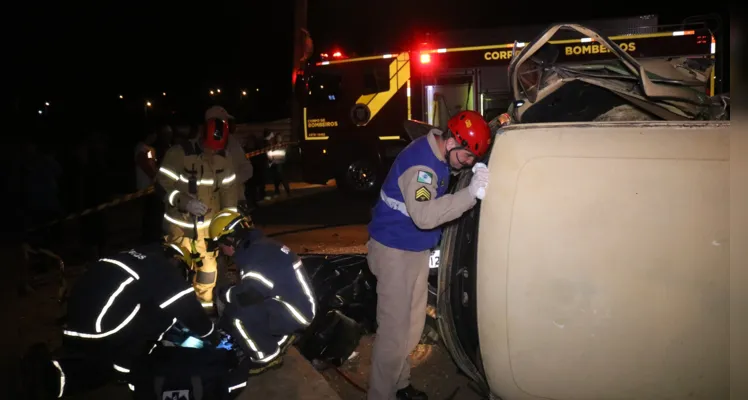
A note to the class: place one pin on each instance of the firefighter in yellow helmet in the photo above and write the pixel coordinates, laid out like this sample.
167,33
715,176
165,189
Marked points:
196,179
272,301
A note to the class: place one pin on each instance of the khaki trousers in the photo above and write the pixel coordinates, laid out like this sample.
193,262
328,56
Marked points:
402,294
205,276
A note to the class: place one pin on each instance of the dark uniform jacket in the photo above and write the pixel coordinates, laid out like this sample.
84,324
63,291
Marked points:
272,276
135,292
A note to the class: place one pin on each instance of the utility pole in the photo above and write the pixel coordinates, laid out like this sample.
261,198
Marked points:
299,46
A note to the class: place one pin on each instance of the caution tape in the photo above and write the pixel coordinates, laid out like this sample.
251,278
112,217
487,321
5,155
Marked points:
123,199
138,194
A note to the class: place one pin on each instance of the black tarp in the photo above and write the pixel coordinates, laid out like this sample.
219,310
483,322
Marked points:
346,300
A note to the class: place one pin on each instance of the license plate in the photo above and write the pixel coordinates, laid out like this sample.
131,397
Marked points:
434,259
176,394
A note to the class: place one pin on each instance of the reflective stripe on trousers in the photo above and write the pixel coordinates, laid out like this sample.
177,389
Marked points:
206,275
259,356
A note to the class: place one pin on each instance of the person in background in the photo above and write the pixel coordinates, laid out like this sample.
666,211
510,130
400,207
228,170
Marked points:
38,177
256,189
182,132
242,166
35,181
76,187
99,187
163,141
145,161
276,159
145,172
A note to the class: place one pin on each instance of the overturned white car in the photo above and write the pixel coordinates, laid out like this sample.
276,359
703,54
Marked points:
597,267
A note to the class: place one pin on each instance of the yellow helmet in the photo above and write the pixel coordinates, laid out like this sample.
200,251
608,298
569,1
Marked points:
226,223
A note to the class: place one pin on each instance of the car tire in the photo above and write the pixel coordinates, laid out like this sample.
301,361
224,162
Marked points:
362,176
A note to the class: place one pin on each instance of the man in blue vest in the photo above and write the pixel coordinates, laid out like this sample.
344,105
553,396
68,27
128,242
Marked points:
405,226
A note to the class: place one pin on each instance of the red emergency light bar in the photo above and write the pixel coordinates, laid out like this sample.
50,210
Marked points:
337,55
425,49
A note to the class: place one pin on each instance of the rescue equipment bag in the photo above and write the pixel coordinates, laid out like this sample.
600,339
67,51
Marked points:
182,373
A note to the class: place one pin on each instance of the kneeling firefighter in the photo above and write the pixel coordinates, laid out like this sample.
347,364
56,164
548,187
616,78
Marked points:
272,301
118,311
196,179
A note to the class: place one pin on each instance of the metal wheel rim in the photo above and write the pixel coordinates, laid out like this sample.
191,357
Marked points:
361,175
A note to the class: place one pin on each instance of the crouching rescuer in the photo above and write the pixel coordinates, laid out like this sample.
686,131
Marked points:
406,224
196,179
118,311
272,301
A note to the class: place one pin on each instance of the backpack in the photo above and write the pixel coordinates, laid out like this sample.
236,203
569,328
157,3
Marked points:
181,373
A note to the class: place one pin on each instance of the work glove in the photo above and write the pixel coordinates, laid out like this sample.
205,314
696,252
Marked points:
196,207
479,181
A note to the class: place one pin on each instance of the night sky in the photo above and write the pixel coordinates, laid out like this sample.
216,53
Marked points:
83,58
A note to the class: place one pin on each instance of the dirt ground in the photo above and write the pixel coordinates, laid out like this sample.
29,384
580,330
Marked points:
33,318
432,371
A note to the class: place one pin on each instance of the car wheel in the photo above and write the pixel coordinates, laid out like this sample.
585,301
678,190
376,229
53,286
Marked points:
360,176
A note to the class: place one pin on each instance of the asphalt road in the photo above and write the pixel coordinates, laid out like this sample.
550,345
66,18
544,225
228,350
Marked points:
313,220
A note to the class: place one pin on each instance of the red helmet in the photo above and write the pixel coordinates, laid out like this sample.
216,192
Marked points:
471,131
216,133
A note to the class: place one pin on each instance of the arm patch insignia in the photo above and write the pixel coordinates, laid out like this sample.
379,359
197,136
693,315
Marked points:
425,177
423,194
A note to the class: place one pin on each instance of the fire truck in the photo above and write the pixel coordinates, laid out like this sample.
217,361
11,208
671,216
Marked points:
353,109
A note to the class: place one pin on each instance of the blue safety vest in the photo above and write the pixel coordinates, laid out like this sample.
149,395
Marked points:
391,224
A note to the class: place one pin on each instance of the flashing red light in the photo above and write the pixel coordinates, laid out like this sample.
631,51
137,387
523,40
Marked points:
337,54
425,58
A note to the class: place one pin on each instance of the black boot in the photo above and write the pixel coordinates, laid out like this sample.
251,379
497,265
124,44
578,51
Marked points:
257,368
411,393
